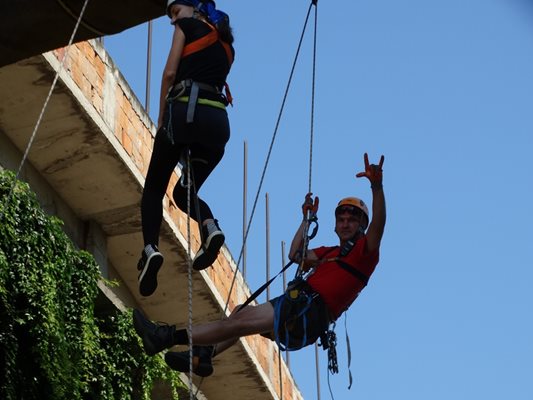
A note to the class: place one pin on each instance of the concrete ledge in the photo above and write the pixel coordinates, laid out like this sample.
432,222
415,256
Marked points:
92,150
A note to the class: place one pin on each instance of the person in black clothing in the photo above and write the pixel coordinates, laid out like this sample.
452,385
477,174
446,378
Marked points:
192,124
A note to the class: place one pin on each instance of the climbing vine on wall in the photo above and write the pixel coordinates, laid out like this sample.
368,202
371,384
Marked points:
52,344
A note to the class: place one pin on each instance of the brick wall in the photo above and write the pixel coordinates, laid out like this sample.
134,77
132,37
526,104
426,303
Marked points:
107,91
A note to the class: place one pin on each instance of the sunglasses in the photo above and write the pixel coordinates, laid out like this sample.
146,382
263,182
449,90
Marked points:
350,210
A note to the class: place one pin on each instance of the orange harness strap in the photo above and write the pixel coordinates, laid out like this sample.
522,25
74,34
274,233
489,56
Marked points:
206,41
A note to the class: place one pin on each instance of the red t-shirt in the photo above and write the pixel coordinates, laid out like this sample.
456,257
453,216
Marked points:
337,287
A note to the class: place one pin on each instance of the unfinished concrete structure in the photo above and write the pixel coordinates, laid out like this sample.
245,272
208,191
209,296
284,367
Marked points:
87,165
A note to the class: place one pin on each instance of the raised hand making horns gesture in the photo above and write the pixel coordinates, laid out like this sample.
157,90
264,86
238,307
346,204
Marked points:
373,172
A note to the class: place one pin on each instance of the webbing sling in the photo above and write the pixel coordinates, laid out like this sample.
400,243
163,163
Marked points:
358,274
347,267
254,295
191,104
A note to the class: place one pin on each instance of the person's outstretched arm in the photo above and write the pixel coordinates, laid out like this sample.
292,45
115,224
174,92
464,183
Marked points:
374,173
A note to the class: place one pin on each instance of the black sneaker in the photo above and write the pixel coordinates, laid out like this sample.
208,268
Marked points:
149,264
155,337
213,240
201,360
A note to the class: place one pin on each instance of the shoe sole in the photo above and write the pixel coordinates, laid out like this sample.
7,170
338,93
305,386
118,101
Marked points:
139,324
206,257
180,362
148,276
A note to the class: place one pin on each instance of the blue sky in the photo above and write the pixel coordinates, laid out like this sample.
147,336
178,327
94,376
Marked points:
444,89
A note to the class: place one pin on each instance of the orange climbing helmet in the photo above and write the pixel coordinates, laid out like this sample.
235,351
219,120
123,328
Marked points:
351,204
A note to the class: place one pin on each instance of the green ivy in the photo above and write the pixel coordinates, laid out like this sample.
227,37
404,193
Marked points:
52,345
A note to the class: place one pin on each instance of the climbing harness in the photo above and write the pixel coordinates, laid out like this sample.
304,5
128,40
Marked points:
178,93
179,89
188,90
193,47
206,102
297,299
204,42
300,316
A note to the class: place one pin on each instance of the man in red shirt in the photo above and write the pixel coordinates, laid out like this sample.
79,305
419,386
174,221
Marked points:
335,277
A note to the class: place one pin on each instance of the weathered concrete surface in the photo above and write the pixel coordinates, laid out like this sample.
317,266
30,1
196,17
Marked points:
93,149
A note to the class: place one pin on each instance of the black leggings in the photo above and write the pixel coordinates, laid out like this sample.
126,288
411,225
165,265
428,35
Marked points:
206,138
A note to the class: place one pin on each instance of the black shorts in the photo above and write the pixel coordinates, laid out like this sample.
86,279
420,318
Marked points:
299,321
